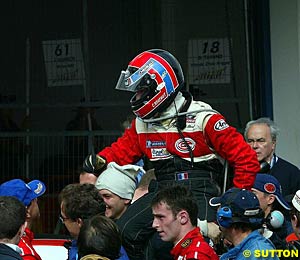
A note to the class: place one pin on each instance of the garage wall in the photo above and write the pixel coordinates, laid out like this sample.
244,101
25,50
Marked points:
284,16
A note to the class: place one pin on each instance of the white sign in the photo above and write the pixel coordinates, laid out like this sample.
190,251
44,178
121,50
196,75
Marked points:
64,63
209,61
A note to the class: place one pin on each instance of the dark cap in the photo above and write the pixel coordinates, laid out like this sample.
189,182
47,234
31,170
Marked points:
242,202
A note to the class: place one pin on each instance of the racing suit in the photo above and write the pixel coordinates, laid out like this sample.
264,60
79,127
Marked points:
190,156
193,246
28,251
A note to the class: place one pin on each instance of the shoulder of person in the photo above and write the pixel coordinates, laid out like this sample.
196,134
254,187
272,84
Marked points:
284,163
199,105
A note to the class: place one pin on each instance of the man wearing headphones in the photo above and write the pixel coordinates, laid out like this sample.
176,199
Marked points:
239,216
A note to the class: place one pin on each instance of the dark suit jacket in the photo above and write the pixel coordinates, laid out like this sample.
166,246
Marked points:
288,176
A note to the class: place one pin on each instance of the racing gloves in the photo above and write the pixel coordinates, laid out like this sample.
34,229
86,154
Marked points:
95,164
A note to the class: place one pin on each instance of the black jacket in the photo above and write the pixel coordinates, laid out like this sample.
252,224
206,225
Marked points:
288,176
7,253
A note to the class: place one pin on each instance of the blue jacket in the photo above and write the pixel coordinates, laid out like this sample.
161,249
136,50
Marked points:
253,247
73,252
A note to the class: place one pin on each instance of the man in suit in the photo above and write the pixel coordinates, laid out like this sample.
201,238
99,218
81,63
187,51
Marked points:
261,135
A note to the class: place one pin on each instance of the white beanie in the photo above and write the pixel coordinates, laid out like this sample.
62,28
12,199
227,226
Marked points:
296,201
120,180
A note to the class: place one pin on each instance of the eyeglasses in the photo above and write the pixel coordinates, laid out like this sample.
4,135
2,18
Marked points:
62,219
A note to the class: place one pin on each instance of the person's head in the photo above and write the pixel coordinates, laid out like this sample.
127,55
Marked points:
261,135
239,211
27,193
143,185
155,76
175,212
295,214
86,177
79,202
268,191
99,235
13,219
117,185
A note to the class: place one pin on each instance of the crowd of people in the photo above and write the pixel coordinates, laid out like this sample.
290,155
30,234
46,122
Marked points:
175,210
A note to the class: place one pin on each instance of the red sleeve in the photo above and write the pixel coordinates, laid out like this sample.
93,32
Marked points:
230,145
126,150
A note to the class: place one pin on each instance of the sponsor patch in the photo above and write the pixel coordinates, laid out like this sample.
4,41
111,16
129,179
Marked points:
180,145
151,144
159,153
186,243
220,125
191,119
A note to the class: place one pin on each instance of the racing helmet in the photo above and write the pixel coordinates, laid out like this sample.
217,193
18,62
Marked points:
156,77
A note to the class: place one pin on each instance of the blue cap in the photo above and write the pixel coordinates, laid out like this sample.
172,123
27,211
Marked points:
24,192
270,185
242,202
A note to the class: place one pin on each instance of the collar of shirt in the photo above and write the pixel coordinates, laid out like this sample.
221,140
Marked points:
14,247
273,161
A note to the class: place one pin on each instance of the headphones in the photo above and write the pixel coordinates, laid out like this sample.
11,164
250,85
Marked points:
225,218
275,219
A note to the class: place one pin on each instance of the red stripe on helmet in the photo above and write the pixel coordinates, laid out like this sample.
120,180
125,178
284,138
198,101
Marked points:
152,104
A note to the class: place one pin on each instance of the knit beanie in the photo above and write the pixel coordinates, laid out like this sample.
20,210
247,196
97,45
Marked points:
120,180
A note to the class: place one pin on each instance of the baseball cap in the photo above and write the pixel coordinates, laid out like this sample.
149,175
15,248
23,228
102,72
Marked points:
24,192
296,201
242,202
270,185
120,180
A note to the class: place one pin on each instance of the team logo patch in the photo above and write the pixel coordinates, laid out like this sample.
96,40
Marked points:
151,144
39,188
269,187
186,243
180,145
220,125
160,153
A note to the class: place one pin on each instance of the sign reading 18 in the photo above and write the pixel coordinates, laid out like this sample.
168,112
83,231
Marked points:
62,49
211,47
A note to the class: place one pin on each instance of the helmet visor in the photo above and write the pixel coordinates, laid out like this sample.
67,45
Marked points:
131,82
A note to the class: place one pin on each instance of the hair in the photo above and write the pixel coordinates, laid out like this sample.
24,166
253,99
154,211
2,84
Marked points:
177,198
274,130
244,227
13,216
146,179
99,235
81,201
